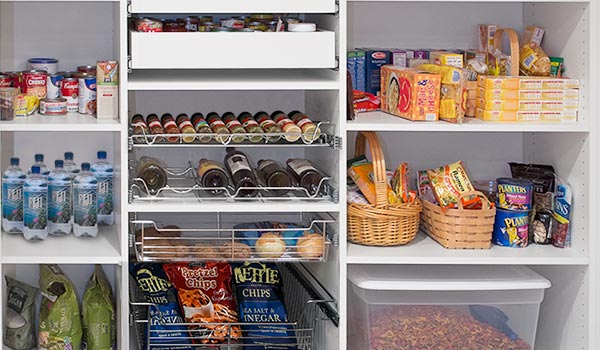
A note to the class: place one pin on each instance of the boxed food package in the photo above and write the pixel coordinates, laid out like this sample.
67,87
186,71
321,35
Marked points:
410,93
476,55
422,54
446,58
566,115
453,92
532,34
526,83
525,105
399,58
374,60
107,86
528,95
486,37
351,67
356,67
415,62
362,175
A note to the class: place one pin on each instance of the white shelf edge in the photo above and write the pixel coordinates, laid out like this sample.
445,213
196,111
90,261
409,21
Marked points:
235,207
529,1
68,122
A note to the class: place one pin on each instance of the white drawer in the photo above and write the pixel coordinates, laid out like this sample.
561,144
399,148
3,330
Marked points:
233,6
196,50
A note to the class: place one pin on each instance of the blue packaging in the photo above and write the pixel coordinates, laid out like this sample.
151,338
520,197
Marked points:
511,228
361,73
374,60
351,65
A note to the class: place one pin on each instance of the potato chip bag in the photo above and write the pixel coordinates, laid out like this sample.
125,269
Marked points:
99,312
19,329
448,183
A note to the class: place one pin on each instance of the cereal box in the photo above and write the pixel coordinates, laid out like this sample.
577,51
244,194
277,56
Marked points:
486,37
446,58
410,93
374,60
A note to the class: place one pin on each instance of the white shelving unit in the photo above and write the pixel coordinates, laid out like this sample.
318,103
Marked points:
97,29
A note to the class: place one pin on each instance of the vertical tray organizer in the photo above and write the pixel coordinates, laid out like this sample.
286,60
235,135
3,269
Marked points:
309,308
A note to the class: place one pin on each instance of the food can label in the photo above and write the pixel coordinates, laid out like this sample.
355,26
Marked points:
6,81
69,90
185,124
265,121
511,228
105,194
84,207
35,208
514,194
304,121
53,85
34,84
200,123
12,201
59,202
233,123
87,95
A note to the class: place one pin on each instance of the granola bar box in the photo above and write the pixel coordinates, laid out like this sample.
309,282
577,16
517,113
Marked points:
410,93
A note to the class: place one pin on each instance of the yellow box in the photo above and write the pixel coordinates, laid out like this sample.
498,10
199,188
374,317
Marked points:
527,116
496,116
527,83
446,58
557,95
497,94
498,105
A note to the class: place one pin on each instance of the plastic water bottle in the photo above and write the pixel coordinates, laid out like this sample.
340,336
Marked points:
35,206
70,165
39,161
12,197
104,173
85,201
59,200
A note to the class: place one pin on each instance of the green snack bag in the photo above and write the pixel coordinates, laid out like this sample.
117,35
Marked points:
60,321
19,331
98,310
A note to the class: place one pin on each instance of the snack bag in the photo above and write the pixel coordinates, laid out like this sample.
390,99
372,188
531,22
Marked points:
499,63
98,312
448,183
543,179
533,61
453,91
363,177
60,320
424,187
400,183
19,330
205,296
561,223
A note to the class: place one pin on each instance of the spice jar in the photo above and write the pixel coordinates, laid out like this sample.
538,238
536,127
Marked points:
218,127
201,127
7,102
310,131
155,126
235,127
251,127
185,126
269,126
291,130
170,126
138,124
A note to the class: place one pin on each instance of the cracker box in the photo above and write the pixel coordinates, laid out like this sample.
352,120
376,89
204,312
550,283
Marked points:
486,37
410,93
107,89
446,58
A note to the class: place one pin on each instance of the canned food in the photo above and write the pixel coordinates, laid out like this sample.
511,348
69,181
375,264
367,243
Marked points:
68,73
233,23
57,106
257,26
259,17
89,69
53,83
207,27
148,25
511,228
34,83
6,81
205,19
50,65
87,94
69,90
17,79
514,194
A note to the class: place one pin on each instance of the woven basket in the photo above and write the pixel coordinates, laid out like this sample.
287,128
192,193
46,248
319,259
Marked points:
381,224
460,228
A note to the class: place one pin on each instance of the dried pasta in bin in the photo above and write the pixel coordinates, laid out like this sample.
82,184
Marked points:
533,61
453,91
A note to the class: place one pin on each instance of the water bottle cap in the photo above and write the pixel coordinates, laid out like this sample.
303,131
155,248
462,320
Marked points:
14,161
85,166
68,155
101,154
35,169
39,157
59,163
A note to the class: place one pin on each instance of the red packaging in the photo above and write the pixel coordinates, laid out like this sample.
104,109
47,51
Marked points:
34,83
17,79
69,90
6,81
205,296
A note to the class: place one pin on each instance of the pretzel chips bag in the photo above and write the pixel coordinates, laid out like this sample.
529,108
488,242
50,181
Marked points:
206,298
448,183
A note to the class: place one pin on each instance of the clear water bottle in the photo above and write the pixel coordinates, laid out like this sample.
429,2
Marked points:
59,200
85,201
12,197
35,206
104,173
39,161
70,165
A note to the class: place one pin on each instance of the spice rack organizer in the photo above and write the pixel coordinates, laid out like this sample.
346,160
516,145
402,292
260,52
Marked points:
152,241
310,310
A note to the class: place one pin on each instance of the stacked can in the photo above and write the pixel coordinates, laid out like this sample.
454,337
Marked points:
511,226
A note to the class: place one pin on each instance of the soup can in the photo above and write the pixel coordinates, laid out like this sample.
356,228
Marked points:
53,83
34,83
514,194
87,94
56,106
69,90
511,228
6,81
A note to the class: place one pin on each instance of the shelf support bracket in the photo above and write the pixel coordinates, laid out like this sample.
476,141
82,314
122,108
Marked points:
129,64
336,143
129,8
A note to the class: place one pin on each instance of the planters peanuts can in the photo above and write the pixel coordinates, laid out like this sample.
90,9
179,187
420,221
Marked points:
514,194
511,228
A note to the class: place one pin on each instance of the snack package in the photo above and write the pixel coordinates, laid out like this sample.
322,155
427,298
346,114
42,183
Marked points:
410,93
425,190
60,321
453,91
259,291
365,102
499,63
19,329
532,34
156,288
400,183
557,66
98,312
486,37
543,179
363,177
540,228
533,61
446,58
448,183
205,296
561,223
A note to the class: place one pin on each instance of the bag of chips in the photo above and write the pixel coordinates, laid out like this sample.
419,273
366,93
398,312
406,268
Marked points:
561,223
543,179
205,296
157,289
400,183
260,299
60,320
448,183
98,312
19,331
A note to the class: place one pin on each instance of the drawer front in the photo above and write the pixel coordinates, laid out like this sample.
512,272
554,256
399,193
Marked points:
232,50
233,6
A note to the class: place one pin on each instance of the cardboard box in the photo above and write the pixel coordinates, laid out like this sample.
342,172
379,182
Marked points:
527,116
476,55
527,83
399,58
525,105
374,60
446,58
410,93
422,54
107,90
528,95
351,66
532,34
486,37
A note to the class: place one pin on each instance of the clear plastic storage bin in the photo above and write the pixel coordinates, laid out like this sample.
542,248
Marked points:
443,307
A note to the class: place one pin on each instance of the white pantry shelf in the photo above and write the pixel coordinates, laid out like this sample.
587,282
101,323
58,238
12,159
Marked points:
478,1
69,122
193,206
234,6
68,249
424,250
380,121
232,80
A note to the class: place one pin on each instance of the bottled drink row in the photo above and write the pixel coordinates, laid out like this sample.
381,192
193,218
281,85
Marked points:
237,172
59,201
260,127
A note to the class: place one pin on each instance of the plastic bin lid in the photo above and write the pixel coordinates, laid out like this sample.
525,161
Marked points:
445,278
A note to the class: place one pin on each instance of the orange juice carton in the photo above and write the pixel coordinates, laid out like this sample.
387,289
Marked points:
410,93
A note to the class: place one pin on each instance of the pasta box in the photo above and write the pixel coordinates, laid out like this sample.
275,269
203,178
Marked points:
374,60
410,93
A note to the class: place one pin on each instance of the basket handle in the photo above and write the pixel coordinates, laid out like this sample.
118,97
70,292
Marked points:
379,173
485,201
513,38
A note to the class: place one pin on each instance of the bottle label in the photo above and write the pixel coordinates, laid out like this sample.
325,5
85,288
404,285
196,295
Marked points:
237,163
207,165
170,124
265,121
185,124
233,123
84,207
299,166
262,165
155,124
200,123
105,194
12,201
59,202
304,121
283,121
35,208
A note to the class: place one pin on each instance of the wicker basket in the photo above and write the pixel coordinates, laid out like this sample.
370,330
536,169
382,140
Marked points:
381,224
460,228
